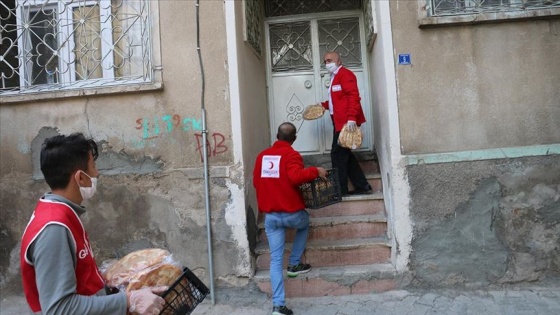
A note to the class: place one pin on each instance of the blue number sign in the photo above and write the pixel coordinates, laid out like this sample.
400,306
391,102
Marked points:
404,59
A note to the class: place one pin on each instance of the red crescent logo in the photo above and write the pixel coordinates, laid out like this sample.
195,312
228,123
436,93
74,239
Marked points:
271,165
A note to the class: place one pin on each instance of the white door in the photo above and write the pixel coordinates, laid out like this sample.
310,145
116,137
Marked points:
297,77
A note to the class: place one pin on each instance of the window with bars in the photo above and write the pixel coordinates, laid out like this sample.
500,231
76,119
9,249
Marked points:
460,7
63,44
293,7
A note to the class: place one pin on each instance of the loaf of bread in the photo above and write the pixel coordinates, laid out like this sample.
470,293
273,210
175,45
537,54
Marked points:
313,112
149,268
350,139
119,274
158,275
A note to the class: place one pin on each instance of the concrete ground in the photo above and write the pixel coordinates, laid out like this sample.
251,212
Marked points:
249,300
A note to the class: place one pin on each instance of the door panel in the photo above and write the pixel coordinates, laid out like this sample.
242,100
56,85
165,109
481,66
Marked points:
291,94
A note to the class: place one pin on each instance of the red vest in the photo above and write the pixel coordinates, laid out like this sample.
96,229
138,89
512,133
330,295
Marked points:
88,278
277,186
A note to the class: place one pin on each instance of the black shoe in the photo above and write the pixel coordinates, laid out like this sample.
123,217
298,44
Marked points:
294,271
281,310
365,191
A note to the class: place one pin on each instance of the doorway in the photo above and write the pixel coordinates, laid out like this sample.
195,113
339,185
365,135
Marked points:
297,77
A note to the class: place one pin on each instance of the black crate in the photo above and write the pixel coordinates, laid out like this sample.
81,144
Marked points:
184,294
322,192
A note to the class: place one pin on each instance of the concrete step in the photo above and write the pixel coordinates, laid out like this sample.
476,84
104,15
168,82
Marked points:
320,253
353,205
369,167
333,281
374,180
338,228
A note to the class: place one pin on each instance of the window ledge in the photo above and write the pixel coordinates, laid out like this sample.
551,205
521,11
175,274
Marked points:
51,95
425,21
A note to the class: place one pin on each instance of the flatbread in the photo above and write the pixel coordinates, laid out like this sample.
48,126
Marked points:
120,272
313,112
350,140
159,275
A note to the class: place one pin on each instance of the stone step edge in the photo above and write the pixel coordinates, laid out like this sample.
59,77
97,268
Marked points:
377,195
349,274
344,244
341,220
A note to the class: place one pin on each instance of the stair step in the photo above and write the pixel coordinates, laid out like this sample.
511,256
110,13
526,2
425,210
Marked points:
331,281
322,253
353,205
373,179
369,167
338,228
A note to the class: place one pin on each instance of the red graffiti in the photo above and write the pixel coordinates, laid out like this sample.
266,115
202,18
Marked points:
214,146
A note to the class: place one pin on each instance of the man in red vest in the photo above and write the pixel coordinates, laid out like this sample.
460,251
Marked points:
345,109
59,272
278,173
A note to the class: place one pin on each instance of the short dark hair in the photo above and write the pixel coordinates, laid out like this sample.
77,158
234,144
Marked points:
286,132
63,155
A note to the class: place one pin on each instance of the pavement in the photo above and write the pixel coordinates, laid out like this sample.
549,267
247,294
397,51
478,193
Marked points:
248,300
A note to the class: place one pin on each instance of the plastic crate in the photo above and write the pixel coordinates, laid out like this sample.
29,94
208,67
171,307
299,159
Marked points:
322,192
184,294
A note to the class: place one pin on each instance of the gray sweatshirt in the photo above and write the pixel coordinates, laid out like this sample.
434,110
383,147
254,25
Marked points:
53,254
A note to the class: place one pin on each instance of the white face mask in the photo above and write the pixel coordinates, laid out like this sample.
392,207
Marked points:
88,192
331,67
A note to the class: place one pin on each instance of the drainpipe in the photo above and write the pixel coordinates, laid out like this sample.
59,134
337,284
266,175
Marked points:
205,159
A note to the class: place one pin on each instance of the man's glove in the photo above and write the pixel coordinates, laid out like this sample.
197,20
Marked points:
351,126
146,302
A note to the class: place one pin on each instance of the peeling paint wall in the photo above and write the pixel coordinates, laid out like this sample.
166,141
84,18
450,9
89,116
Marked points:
485,222
151,187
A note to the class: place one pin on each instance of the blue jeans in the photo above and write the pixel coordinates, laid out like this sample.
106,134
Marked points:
275,224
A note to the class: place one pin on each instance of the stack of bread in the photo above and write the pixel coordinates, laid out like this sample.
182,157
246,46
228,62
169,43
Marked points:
350,139
143,268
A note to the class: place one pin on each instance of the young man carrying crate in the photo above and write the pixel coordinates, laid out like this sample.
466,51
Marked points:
278,172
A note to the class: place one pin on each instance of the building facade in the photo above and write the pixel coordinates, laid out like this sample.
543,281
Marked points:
462,100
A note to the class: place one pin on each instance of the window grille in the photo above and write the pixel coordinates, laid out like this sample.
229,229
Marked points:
253,13
290,47
459,7
49,45
293,7
342,36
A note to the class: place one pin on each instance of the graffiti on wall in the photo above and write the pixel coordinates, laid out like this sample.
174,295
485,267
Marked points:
152,128
156,126
215,144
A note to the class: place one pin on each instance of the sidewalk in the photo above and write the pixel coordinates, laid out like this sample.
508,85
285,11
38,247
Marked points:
249,300
525,301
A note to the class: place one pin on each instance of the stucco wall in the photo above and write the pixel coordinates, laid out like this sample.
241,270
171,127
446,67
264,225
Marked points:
151,188
476,86
386,138
485,223
255,130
